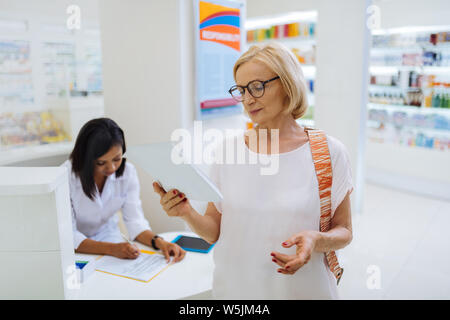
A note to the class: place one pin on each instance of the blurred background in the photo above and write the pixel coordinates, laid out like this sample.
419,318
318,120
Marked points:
378,78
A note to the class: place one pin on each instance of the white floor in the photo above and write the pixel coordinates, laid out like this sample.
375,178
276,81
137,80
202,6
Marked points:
400,248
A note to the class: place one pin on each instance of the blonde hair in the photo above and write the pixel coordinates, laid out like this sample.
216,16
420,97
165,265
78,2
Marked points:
285,64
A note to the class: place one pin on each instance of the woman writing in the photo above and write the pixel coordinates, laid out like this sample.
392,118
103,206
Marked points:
102,183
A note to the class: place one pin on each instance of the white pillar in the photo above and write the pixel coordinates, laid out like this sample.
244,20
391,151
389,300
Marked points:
146,79
342,80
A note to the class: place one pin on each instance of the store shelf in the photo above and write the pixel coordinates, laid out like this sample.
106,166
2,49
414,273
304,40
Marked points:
74,112
436,69
395,69
309,71
62,63
21,108
427,139
393,88
409,48
300,41
420,72
408,147
409,109
89,101
416,162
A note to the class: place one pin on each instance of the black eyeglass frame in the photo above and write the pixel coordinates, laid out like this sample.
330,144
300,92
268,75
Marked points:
248,84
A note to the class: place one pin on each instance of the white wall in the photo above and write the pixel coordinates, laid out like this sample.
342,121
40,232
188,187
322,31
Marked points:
141,63
141,74
394,13
53,10
401,13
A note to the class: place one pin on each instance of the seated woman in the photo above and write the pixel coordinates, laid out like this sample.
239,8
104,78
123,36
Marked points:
102,183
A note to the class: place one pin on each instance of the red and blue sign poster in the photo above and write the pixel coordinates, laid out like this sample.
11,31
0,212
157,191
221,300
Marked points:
218,45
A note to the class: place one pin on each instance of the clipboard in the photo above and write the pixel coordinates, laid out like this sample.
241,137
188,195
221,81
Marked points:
156,160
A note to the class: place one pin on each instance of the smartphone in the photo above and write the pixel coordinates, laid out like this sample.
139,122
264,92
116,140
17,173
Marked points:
193,244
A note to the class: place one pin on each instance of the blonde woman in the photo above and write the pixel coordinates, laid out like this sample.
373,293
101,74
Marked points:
269,245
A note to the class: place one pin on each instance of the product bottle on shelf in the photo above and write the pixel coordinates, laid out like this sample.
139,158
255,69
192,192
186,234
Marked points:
399,99
286,31
403,99
435,102
444,101
311,29
428,98
388,99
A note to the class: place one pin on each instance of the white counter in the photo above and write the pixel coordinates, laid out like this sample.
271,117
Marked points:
28,181
36,240
29,153
190,278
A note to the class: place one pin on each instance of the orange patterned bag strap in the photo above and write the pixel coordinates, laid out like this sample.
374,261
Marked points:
322,163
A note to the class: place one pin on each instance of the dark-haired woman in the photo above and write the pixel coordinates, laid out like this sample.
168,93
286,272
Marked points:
101,184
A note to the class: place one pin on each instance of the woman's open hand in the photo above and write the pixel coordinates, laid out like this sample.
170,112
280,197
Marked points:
174,202
305,242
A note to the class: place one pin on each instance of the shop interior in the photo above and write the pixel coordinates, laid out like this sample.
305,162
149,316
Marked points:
378,79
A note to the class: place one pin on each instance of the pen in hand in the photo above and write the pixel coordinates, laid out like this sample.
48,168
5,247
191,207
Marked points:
126,238
136,253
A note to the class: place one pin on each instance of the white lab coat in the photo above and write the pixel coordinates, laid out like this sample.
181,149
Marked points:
97,219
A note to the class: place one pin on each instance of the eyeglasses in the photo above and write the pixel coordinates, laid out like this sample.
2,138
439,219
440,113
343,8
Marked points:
255,88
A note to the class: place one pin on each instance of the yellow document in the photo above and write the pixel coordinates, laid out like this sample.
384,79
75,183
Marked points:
144,268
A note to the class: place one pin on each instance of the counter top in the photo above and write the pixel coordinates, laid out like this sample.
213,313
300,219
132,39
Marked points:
190,277
30,180
19,154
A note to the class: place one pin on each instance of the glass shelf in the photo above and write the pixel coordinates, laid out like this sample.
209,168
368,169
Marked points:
374,69
65,67
16,84
407,67
301,41
410,109
409,48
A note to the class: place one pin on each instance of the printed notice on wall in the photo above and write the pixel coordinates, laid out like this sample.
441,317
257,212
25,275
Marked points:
219,42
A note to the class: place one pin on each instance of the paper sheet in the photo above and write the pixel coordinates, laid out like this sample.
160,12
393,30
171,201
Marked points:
143,268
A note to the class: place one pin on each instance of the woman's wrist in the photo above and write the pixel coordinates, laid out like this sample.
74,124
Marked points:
188,217
159,242
316,237
109,248
96,247
156,242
